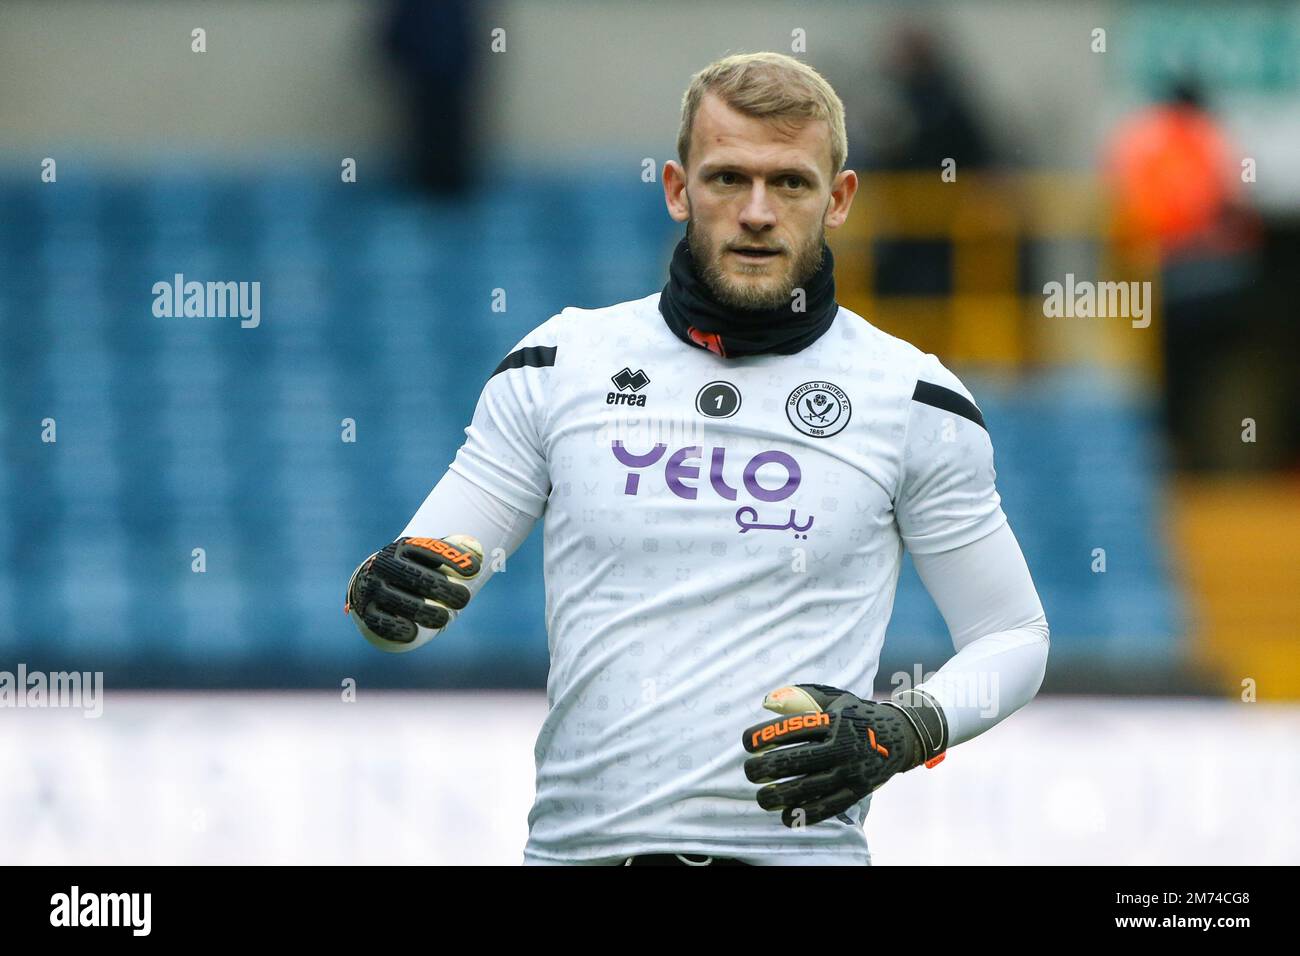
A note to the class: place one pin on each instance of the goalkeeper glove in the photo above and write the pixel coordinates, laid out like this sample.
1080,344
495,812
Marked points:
405,595
844,747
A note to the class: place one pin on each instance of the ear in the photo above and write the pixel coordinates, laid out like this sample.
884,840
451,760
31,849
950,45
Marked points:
675,198
843,189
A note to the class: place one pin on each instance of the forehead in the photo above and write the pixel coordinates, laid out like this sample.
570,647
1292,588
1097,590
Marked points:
722,134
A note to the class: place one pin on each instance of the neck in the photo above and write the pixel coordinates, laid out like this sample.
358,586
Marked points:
699,319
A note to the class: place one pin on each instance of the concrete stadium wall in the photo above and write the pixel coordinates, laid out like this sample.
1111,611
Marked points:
394,779
578,78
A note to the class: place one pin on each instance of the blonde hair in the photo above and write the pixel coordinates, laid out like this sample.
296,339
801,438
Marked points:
767,86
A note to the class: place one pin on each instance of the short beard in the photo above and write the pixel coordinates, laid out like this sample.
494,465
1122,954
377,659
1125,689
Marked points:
750,297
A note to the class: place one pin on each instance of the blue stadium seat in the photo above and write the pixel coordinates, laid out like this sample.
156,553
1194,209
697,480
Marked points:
177,435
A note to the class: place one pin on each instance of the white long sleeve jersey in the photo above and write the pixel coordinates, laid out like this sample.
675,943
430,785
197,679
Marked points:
716,528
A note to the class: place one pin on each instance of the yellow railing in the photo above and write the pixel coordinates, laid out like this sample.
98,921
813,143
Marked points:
987,320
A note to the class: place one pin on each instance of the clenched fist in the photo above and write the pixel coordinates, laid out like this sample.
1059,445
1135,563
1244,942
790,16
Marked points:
403,596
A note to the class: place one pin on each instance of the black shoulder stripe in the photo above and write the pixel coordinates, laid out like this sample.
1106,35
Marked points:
538,356
927,393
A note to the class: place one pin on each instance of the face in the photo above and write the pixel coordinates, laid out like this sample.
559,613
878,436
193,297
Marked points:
757,201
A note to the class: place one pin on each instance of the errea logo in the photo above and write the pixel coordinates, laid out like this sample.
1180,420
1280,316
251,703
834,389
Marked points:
628,383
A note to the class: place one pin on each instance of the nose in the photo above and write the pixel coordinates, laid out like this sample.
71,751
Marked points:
758,212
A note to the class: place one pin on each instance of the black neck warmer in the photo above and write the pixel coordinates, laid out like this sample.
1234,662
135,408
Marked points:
699,319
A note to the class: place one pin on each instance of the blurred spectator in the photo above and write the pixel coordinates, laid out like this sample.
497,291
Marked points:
932,118
926,119
1176,190
435,48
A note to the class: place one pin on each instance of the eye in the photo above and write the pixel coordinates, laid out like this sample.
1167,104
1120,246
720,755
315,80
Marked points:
794,182
719,177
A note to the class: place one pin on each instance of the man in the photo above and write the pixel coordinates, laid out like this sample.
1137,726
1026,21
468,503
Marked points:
1179,208
689,581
